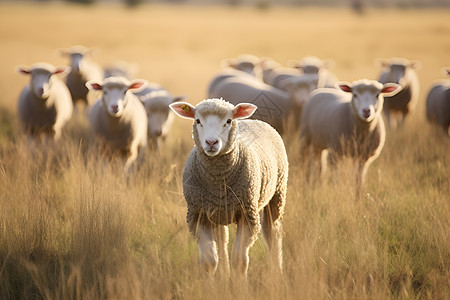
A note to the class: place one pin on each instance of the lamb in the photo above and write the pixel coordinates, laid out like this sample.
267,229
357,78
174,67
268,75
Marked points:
438,104
276,106
118,118
44,105
159,115
400,71
237,171
315,65
346,123
83,70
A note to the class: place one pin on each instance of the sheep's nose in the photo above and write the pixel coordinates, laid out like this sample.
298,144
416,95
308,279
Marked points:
41,91
115,108
157,132
212,142
366,112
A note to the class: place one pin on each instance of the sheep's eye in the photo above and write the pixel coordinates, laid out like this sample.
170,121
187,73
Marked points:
228,121
198,121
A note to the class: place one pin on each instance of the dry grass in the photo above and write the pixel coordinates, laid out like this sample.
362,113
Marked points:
72,228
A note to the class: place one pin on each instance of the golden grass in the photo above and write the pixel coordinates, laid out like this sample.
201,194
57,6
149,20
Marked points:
72,228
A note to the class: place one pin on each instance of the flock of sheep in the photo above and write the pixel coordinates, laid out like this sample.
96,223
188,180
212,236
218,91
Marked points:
237,171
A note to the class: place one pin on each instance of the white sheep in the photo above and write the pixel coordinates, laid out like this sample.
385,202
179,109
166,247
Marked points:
118,118
346,122
44,105
83,70
402,72
247,63
315,65
438,104
237,172
275,106
160,117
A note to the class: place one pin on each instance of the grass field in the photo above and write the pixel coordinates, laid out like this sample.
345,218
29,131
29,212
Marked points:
72,228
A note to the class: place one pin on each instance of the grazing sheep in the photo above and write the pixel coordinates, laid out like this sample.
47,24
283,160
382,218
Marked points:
118,118
83,70
314,65
402,72
237,172
275,106
246,63
346,124
45,105
159,115
438,104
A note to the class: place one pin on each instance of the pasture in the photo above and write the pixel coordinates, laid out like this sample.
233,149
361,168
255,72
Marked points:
71,227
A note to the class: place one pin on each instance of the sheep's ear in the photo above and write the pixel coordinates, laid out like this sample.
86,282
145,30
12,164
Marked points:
183,109
390,89
415,64
94,85
382,62
229,62
63,70
328,63
178,98
137,85
23,70
243,111
63,52
293,63
344,86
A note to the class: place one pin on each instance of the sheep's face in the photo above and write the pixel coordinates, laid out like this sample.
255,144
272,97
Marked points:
396,73
367,100
213,131
41,79
115,93
77,61
300,87
158,112
213,121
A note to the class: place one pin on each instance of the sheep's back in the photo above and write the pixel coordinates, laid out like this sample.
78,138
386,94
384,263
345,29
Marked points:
326,116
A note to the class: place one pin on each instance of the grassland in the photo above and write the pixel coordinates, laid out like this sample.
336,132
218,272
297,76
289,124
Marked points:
72,228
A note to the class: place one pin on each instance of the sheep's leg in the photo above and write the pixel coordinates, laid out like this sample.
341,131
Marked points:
209,258
131,159
272,233
222,241
242,244
361,176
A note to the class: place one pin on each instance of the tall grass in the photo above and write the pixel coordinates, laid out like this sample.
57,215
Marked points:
72,227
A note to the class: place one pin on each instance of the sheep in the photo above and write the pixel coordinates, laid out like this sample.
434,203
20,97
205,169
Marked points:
400,71
315,65
83,70
276,107
44,105
237,172
159,115
224,74
346,122
438,104
118,118
246,63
